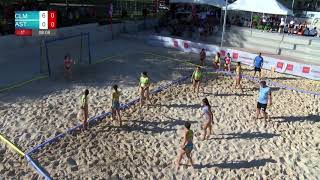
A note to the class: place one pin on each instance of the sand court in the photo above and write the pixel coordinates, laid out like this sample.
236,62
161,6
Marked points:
240,147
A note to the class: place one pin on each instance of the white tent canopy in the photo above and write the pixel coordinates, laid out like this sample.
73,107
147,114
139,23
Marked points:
261,6
217,3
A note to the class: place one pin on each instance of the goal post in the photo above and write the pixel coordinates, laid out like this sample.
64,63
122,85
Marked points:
53,51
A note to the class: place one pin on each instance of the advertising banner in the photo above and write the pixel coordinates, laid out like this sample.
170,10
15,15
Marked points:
279,65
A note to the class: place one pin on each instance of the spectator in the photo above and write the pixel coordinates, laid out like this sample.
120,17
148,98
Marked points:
313,32
145,12
281,27
291,27
304,25
306,32
295,30
245,23
286,29
301,30
264,21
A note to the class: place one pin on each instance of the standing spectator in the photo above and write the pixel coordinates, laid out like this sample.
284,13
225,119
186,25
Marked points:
282,24
258,63
291,26
264,22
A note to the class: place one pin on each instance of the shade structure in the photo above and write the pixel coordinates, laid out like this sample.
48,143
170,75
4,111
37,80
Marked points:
260,6
217,3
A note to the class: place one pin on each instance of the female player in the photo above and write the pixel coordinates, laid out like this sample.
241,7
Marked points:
116,104
238,76
196,78
144,86
208,118
186,146
84,108
216,61
228,62
202,57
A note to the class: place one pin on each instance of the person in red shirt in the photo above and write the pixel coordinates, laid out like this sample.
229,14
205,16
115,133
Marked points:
68,66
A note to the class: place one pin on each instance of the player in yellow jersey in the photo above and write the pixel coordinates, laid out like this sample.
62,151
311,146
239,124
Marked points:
196,78
144,86
216,61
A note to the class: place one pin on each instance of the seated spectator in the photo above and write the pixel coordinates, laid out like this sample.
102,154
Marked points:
286,29
295,30
301,30
313,32
306,32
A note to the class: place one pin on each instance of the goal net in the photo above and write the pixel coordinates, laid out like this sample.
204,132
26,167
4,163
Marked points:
53,52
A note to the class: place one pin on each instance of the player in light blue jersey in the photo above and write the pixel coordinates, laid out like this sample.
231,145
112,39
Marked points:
264,99
258,63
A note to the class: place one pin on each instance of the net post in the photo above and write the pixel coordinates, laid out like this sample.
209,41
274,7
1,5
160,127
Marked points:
40,56
81,34
47,58
89,49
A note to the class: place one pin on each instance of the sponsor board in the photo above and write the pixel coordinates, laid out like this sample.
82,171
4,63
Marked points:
280,65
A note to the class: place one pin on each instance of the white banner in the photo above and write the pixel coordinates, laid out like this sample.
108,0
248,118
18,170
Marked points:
279,65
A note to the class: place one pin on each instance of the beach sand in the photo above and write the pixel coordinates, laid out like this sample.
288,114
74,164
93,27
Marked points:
240,147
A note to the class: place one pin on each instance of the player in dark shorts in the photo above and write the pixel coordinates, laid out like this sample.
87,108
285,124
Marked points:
196,79
202,57
258,63
186,146
263,100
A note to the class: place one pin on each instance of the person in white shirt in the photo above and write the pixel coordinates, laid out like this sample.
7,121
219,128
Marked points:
281,27
291,26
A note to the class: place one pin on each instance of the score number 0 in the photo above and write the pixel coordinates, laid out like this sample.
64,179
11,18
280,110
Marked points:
51,20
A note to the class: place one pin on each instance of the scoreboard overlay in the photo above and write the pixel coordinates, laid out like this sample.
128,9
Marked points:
35,23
